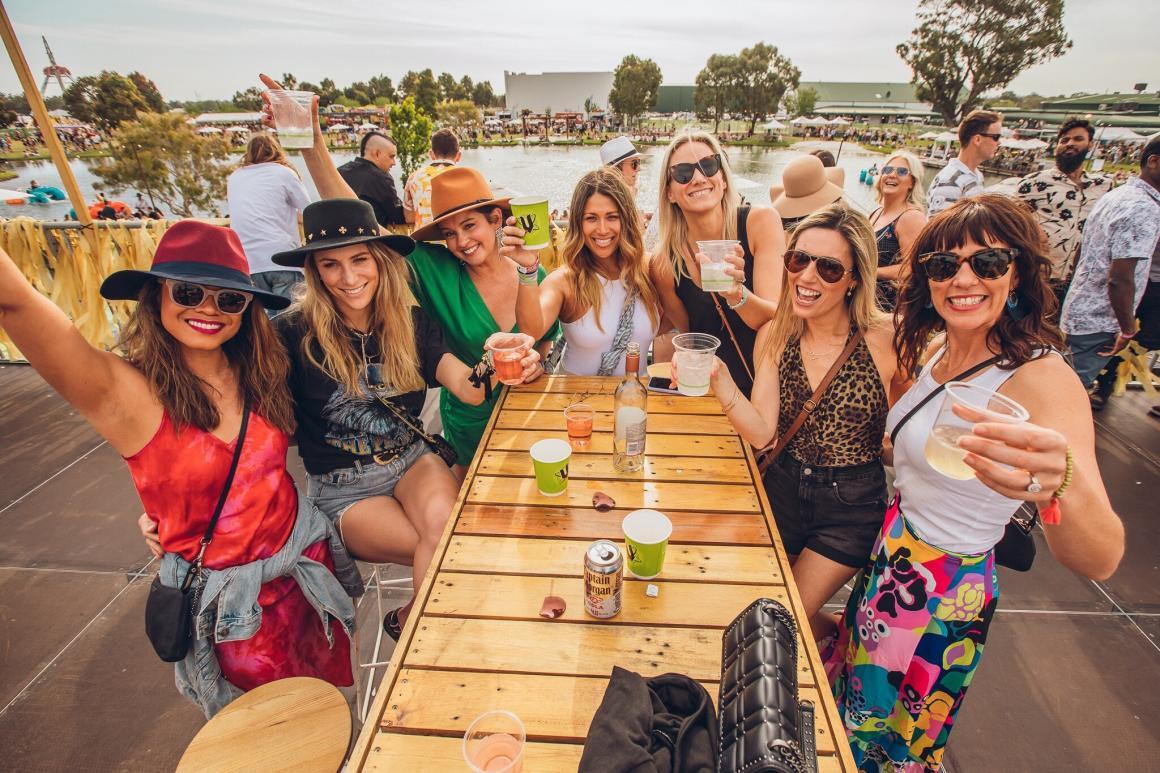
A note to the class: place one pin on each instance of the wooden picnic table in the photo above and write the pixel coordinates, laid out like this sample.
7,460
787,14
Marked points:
476,642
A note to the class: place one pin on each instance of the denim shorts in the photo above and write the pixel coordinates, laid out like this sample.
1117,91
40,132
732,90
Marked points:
336,491
834,511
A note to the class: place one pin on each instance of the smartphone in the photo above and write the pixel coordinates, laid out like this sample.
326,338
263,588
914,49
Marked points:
657,384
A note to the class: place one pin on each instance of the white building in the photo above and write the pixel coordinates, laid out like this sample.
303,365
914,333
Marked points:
560,91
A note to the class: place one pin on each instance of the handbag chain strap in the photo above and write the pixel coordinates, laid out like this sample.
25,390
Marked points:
733,338
767,455
195,568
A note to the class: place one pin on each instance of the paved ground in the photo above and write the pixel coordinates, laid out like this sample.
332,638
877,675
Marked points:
1069,682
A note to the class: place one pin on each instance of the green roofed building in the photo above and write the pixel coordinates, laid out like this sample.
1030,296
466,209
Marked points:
674,99
868,99
1140,112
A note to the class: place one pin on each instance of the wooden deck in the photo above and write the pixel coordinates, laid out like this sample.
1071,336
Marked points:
476,641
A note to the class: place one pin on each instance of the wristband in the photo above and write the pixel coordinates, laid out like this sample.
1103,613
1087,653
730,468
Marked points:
1128,336
532,269
744,298
529,280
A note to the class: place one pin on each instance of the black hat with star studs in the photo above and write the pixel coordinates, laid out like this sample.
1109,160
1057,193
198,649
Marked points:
334,223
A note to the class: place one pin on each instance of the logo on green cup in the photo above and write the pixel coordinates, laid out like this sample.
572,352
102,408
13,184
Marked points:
531,212
646,537
550,462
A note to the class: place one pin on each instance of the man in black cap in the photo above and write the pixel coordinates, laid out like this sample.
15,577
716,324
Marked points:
369,176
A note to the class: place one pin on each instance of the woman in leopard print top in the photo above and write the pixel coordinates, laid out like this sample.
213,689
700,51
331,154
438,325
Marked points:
828,487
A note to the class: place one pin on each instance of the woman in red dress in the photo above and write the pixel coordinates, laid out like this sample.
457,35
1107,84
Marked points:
197,349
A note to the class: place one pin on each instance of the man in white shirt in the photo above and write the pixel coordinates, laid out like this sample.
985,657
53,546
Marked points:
979,136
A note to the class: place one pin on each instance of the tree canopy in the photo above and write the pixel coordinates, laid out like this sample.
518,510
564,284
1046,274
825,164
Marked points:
713,96
110,99
962,49
801,101
751,84
411,130
634,87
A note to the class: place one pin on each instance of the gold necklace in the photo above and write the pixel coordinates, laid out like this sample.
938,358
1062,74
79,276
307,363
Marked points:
825,349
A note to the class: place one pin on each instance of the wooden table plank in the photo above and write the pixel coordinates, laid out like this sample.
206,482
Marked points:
707,446
713,497
394,752
445,703
599,467
522,400
569,649
565,558
511,597
658,423
587,523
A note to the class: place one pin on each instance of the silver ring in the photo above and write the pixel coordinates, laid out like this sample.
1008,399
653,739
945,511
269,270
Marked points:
1033,486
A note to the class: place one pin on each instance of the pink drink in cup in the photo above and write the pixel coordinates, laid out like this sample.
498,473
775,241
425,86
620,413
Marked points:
507,349
494,743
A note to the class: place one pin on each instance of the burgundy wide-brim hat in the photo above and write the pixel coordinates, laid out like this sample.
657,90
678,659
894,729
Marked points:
192,251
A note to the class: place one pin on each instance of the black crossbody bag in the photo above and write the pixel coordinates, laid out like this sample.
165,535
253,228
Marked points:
1017,548
436,443
169,611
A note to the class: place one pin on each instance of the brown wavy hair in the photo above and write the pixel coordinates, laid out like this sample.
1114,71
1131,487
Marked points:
1020,337
264,149
255,353
631,257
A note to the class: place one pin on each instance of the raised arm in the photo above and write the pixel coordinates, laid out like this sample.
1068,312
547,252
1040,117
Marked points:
537,306
100,385
754,419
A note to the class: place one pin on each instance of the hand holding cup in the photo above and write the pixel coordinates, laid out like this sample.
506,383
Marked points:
512,244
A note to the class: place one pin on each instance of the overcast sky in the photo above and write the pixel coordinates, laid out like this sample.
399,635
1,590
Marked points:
211,48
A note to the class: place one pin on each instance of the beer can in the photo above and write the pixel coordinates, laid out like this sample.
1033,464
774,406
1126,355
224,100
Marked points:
603,579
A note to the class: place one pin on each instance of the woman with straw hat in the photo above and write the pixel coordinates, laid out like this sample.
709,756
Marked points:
806,186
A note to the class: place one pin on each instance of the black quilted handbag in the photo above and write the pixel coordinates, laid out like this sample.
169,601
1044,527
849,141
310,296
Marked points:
763,726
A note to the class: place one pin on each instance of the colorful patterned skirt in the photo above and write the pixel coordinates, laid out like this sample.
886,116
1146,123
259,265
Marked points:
911,638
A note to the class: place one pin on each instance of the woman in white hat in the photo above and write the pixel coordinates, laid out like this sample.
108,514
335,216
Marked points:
699,201
620,154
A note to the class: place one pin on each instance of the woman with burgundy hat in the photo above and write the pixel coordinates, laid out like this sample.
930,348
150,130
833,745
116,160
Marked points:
201,389
362,355
468,287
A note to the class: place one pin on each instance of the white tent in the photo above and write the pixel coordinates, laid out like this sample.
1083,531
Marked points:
1117,134
339,127
928,135
773,126
946,137
209,130
367,125
1025,144
838,122
237,130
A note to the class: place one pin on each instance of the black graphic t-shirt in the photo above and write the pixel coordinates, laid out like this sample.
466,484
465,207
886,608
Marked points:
335,429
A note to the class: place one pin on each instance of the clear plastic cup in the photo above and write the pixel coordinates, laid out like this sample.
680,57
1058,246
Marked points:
494,743
507,349
942,449
693,357
292,117
714,278
578,417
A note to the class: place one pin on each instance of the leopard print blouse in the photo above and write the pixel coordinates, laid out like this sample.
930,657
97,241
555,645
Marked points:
847,426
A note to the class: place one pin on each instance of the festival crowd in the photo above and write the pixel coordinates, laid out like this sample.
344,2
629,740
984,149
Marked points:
244,337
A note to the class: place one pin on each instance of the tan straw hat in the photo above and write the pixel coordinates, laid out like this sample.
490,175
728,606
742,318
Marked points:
459,189
806,186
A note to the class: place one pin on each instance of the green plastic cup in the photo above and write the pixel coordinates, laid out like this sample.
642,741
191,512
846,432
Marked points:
646,536
532,214
550,460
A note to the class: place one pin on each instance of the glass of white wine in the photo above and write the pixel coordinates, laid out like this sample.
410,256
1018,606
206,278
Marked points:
942,448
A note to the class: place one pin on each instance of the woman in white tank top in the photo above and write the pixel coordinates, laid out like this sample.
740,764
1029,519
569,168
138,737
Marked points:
602,293
915,624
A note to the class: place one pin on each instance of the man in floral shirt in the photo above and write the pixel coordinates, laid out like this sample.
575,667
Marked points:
1063,196
1112,272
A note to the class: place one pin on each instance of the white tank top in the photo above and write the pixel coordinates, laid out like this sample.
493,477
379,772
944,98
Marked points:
586,342
957,516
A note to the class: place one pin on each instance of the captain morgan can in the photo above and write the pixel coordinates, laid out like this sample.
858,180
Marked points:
603,579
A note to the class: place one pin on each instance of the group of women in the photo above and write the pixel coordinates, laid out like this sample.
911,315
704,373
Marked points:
383,317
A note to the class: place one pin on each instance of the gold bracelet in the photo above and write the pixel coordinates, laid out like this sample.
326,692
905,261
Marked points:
733,402
1067,474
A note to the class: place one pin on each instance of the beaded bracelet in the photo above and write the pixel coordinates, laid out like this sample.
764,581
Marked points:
532,269
529,280
744,298
1051,514
1067,474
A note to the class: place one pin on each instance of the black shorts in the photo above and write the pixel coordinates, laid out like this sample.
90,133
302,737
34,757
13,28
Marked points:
836,512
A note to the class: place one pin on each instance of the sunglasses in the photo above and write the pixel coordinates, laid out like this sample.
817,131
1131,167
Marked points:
987,264
190,296
633,162
829,269
901,171
995,137
683,173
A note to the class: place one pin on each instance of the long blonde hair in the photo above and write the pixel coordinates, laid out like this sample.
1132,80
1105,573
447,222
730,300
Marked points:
674,231
863,302
917,195
390,323
583,279
264,149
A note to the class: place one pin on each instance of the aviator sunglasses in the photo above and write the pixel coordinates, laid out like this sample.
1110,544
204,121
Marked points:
829,269
990,263
190,296
901,171
683,173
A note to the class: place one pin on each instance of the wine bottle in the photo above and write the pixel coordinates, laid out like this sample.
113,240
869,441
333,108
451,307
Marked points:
631,416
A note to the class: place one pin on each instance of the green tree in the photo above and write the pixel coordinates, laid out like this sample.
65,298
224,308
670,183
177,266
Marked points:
162,154
458,113
764,76
327,92
381,88
466,88
250,99
107,100
148,91
411,131
482,94
423,88
289,82
358,94
449,87
962,49
801,101
715,87
634,87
